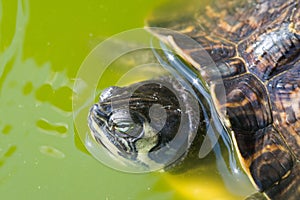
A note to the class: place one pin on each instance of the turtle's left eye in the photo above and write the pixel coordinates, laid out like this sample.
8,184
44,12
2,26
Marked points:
127,129
123,127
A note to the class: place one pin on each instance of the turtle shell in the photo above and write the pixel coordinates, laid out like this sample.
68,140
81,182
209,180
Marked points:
256,48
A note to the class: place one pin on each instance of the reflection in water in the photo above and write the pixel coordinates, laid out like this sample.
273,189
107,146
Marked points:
61,130
60,97
51,151
7,60
7,154
6,129
31,101
27,89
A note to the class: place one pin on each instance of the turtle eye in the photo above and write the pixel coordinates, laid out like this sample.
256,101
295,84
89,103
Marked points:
127,129
123,127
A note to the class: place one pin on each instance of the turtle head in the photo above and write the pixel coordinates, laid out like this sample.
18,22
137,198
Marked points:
133,122
149,124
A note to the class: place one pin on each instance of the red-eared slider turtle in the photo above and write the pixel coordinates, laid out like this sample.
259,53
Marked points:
256,48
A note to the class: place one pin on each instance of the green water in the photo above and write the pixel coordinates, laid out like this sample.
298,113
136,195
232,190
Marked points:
42,45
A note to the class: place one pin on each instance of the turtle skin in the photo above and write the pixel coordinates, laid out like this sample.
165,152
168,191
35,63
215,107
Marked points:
256,48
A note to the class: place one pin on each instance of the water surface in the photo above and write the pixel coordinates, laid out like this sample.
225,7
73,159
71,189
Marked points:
42,45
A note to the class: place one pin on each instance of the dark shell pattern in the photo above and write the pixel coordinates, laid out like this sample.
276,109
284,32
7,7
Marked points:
256,47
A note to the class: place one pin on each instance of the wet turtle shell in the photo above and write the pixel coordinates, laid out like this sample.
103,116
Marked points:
256,47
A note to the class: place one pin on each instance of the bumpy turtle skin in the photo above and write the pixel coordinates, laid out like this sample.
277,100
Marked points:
256,47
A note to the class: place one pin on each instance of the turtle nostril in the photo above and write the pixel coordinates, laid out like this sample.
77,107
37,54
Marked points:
95,107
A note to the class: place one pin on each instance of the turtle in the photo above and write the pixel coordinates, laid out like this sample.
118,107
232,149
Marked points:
255,45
